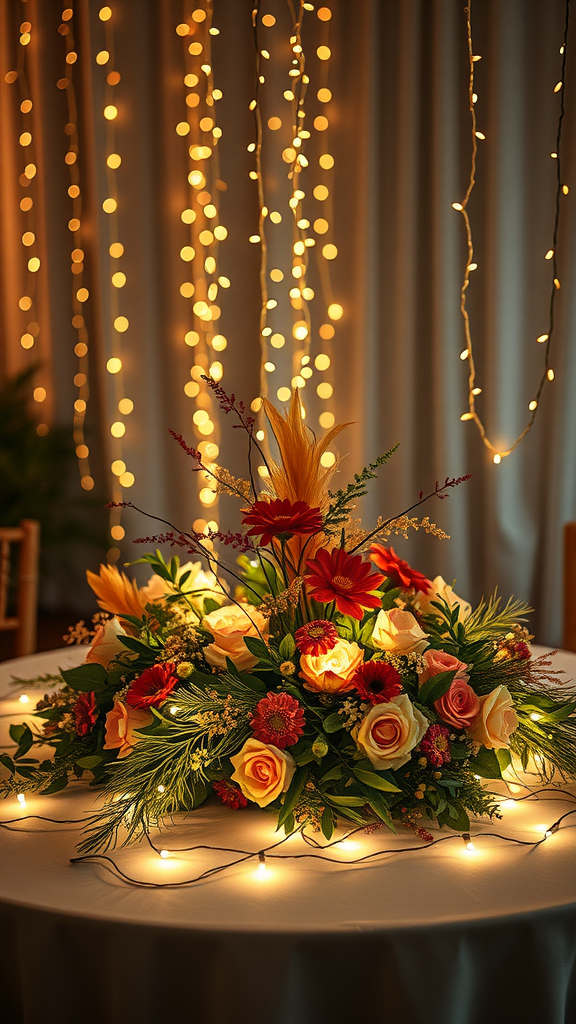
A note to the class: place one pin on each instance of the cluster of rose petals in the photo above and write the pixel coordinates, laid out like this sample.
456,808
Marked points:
262,771
398,632
389,732
229,625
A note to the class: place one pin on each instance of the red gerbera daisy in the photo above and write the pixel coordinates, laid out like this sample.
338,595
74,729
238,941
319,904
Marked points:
397,570
345,579
278,719
153,686
435,745
85,713
377,682
280,517
317,637
230,794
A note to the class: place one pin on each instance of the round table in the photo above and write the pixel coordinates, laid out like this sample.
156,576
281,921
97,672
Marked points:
437,935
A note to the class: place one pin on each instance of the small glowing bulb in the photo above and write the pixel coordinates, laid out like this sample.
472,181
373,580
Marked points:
497,459
161,789
542,338
508,804
174,710
457,206
470,847
261,870
535,716
21,799
24,698
164,854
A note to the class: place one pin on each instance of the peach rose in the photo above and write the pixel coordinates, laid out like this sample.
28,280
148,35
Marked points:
496,721
399,632
106,644
200,584
389,732
331,672
121,724
229,626
439,661
442,591
263,771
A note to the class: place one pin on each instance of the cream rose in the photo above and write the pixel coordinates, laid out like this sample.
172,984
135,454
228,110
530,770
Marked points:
263,771
106,644
229,626
443,591
199,585
389,732
331,672
399,632
121,724
497,719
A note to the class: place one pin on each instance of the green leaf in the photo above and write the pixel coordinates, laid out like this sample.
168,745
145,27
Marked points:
435,687
210,605
486,764
327,823
287,647
86,678
334,722
7,762
21,735
17,732
259,649
346,801
137,647
457,817
504,758
60,783
379,806
295,788
90,761
333,775
375,781
289,825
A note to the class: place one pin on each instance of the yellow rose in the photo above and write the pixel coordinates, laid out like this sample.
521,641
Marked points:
229,626
121,724
331,672
399,632
106,644
389,732
442,591
496,721
263,771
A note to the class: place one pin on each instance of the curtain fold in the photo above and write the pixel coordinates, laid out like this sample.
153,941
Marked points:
400,136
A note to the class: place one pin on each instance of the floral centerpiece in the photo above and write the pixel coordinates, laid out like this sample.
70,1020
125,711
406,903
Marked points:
314,674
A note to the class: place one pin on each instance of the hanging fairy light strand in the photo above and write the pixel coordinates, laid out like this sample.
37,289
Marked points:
28,181
80,294
545,339
122,477
201,134
301,294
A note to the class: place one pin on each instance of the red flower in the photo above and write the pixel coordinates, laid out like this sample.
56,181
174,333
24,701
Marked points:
514,648
317,637
398,571
279,517
85,713
153,686
377,682
230,794
345,579
278,719
436,745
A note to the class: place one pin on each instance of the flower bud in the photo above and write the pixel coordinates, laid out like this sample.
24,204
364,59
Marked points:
184,669
320,747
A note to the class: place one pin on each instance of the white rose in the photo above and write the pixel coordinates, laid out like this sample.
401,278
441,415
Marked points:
106,644
442,590
398,631
389,732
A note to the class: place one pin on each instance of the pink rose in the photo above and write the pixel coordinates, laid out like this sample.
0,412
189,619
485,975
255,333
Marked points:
121,724
439,661
496,721
459,706
106,644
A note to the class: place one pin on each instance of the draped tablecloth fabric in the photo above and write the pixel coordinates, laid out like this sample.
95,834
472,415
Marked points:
434,936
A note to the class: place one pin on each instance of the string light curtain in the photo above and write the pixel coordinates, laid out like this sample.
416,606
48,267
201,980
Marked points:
399,134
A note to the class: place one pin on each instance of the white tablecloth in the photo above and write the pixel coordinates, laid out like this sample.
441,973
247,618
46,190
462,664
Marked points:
435,936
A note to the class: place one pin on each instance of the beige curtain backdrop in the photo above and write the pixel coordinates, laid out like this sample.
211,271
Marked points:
400,136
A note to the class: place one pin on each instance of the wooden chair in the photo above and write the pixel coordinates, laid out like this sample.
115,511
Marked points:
27,535
569,639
